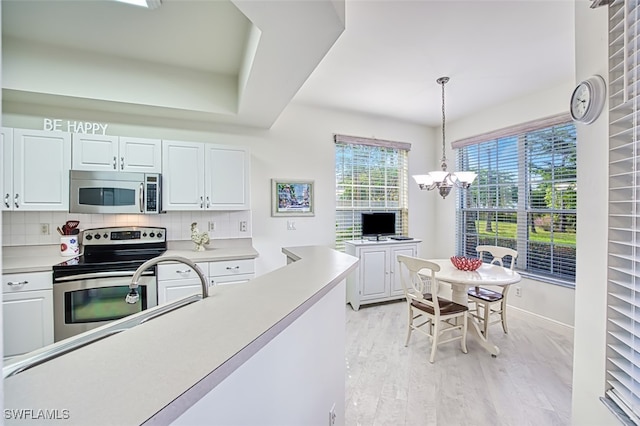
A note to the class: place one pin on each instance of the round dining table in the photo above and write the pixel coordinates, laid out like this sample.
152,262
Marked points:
486,275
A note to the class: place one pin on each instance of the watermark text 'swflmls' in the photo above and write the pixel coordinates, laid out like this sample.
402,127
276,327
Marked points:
36,414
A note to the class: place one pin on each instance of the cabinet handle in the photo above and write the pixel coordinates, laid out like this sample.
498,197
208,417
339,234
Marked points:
207,202
185,271
14,283
115,159
15,201
201,202
121,163
6,201
233,267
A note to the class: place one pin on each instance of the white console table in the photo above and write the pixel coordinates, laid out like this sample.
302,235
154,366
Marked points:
375,279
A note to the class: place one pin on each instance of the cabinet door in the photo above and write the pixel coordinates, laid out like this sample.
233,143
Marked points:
182,175
27,320
227,177
168,291
95,152
140,155
396,283
6,138
374,275
41,169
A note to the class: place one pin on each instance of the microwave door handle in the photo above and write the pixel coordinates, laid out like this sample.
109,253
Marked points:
141,198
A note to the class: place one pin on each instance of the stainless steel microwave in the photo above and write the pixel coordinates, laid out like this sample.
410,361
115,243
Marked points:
114,192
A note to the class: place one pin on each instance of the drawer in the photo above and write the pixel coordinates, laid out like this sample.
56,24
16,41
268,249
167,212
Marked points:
230,279
12,283
180,271
231,267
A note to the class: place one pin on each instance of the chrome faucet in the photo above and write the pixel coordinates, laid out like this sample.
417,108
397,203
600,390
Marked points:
133,295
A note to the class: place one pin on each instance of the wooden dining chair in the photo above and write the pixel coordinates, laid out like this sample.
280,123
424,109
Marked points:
489,306
437,315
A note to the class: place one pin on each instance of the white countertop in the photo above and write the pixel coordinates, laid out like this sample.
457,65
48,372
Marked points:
20,259
155,371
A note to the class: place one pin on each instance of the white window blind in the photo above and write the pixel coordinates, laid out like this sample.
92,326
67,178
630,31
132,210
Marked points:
371,176
524,196
623,269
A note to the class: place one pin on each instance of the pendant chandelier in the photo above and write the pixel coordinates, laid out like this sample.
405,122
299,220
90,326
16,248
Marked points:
442,180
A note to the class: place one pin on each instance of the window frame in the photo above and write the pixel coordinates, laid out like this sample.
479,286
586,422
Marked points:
400,153
522,135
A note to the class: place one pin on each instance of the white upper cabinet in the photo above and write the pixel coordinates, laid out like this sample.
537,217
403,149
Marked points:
36,167
6,138
109,153
202,176
227,177
182,175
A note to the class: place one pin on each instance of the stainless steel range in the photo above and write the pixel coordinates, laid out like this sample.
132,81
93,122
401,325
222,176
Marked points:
90,290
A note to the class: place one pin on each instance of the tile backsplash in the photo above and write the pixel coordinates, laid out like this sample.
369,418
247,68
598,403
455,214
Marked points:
24,228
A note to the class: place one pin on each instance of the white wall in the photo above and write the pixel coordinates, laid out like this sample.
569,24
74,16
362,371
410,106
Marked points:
299,146
590,322
548,300
301,375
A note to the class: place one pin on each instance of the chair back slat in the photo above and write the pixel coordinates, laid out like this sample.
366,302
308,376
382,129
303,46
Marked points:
498,254
417,277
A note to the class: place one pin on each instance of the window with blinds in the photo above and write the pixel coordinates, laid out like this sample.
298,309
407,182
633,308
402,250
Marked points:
524,196
371,176
623,268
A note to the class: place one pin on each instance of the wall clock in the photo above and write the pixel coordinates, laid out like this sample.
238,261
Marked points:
587,100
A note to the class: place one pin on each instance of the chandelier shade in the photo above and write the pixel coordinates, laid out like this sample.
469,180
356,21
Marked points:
441,179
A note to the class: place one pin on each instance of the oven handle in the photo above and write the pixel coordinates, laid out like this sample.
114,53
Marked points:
106,274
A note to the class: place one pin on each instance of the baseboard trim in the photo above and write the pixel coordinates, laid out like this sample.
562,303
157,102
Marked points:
533,314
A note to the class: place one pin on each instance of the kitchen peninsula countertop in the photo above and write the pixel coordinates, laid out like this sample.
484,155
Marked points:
21,259
152,373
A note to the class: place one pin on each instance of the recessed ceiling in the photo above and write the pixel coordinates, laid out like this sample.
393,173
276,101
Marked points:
242,62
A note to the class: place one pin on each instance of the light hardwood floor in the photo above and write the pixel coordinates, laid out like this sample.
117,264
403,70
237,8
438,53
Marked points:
529,383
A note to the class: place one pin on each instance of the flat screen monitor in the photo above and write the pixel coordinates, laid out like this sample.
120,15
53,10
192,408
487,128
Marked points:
378,224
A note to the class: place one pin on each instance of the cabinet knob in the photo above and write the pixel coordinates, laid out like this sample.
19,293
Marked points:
6,201
207,202
121,163
233,267
15,283
15,201
201,202
185,271
115,159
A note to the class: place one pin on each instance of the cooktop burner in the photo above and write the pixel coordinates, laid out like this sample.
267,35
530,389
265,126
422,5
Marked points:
115,249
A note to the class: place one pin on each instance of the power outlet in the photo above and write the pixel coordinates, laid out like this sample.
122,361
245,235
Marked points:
44,229
332,415
212,226
291,225
243,226
519,291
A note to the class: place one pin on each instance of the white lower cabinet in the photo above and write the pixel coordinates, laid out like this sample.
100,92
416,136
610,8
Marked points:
376,278
231,271
27,312
176,280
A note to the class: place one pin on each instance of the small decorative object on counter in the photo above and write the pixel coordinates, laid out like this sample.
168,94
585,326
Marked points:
466,263
69,245
200,238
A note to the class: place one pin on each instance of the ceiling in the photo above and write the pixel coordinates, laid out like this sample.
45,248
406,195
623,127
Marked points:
242,62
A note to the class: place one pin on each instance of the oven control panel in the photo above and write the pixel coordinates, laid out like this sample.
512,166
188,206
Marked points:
123,235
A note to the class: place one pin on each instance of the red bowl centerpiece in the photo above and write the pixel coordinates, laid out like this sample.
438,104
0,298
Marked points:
466,263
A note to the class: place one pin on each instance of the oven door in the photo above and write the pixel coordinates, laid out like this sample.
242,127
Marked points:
106,192
87,301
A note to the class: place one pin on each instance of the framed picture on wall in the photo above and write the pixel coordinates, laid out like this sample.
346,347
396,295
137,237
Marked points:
291,197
